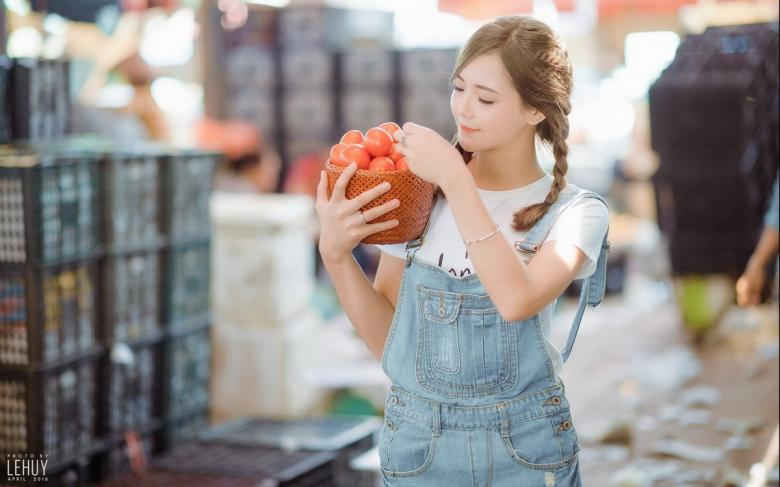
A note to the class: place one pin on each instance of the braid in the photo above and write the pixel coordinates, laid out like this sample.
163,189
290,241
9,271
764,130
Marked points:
527,217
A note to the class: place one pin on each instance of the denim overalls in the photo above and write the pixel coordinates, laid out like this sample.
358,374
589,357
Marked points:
475,401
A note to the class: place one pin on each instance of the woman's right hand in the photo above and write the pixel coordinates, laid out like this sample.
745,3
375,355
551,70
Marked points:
342,226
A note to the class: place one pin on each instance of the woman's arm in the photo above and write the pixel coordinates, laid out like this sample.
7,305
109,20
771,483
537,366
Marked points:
368,309
519,291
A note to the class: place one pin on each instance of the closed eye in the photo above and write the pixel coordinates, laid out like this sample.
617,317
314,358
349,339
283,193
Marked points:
486,102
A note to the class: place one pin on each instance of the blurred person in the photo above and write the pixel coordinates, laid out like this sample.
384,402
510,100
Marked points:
751,283
460,317
251,166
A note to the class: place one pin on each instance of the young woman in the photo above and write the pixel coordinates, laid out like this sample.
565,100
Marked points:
460,317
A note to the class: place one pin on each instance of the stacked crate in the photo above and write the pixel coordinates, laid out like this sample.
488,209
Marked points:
186,182
5,79
38,98
367,87
49,263
131,278
425,88
714,126
281,68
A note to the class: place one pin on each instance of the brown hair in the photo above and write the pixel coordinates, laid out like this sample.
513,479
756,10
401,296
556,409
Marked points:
542,74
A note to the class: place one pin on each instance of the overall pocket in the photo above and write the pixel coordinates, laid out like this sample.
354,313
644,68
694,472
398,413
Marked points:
463,352
545,443
406,448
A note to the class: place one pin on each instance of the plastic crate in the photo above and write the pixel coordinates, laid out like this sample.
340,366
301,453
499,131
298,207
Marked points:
307,68
186,285
187,372
131,299
48,206
365,108
283,468
427,67
132,387
349,436
5,74
367,67
182,428
162,478
188,177
51,411
131,206
47,314
314,26
123,454
39,98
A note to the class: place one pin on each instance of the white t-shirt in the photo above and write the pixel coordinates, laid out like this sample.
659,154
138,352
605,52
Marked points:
584,224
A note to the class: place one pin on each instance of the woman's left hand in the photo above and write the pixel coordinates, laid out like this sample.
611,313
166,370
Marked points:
428,154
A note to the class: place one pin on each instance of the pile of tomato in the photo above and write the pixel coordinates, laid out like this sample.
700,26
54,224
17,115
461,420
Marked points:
374,151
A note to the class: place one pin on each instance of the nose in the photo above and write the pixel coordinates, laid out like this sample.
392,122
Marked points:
462,106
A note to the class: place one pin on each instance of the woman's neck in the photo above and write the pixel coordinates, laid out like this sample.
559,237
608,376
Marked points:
506,167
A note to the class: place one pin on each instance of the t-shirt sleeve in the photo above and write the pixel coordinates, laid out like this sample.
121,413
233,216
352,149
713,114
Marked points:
396,250
584,224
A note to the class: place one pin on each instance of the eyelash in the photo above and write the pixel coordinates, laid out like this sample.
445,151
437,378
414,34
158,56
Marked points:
486,102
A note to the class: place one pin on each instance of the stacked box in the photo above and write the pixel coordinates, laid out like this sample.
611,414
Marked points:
39,98
48,206
713,114
425,88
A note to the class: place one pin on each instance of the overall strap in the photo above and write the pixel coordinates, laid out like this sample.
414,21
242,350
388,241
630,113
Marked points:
412,246
594,286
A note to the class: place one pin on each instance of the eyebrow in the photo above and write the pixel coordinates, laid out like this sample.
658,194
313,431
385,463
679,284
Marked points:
478,86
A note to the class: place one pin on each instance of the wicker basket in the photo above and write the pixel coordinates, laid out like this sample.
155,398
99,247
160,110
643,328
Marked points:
414,194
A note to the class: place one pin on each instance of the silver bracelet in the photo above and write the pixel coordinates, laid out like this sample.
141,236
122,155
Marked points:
469,242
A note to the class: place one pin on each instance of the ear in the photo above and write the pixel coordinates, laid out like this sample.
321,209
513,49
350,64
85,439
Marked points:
536,117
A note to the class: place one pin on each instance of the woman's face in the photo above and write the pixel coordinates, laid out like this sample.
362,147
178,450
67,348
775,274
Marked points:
487,108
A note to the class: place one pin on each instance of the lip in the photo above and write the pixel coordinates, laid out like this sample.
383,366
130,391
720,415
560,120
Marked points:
467,129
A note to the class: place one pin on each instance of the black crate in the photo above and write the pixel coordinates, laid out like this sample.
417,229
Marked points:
5,73
131,387
187,365
48,314
51,411
131,199
424,67
188,178
328,28
186,285
131,296
703,253
182,428
707,205
348,435
39,98
265,465
163,478
129,452
48,206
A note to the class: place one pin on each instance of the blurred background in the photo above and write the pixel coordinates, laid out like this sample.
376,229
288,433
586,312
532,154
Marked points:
164,315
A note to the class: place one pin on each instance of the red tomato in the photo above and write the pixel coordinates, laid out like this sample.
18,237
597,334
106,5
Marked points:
395,155
337,156
381,164
390,127
401,165
352,137
378,142
358,154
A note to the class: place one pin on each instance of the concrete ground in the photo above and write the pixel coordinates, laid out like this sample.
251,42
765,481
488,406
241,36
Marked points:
645,399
